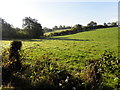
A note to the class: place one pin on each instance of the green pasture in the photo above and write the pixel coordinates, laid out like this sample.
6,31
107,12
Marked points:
70,51
72,48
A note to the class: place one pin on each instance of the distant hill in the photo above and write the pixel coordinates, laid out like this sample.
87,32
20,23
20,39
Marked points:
105,34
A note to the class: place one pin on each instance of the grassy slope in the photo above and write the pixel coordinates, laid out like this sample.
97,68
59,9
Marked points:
47,33
72,48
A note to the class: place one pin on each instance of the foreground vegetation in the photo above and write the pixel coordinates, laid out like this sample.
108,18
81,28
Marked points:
86,60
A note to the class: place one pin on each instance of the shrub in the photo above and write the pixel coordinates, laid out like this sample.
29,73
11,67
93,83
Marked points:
98,73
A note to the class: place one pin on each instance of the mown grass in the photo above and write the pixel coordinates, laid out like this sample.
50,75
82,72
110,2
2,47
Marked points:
72,50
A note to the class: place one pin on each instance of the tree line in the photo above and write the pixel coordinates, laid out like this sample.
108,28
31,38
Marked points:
32,29
61,27
79,28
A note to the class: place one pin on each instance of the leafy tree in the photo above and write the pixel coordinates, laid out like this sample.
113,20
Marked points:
55,28
60,27
32,27
114,24
92,25
7,30
78,27
101,26
47,29
64,26
67,27
105,24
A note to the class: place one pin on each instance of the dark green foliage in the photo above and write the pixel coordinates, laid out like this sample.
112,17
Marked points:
32,27
79,28
92,23
100,71
60,27
55,28
45,74
7,30
76,29
110,65
114,24
14,51
12,64
48,75
47,29
105,25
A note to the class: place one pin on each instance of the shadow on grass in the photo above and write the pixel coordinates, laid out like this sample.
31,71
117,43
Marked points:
35,40
23,39
68,39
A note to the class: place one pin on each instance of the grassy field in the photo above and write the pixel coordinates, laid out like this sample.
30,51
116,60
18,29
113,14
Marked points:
70,50
81,46
90,44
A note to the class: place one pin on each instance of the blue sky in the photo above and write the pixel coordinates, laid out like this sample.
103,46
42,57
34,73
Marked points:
54,13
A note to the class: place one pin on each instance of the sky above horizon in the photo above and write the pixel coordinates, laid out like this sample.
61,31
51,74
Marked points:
53,13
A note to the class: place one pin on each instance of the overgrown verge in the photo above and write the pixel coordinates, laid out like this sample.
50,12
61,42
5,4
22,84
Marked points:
47,73
103,73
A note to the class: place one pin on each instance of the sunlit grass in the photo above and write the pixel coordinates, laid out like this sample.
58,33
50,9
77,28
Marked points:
72,50
81,46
